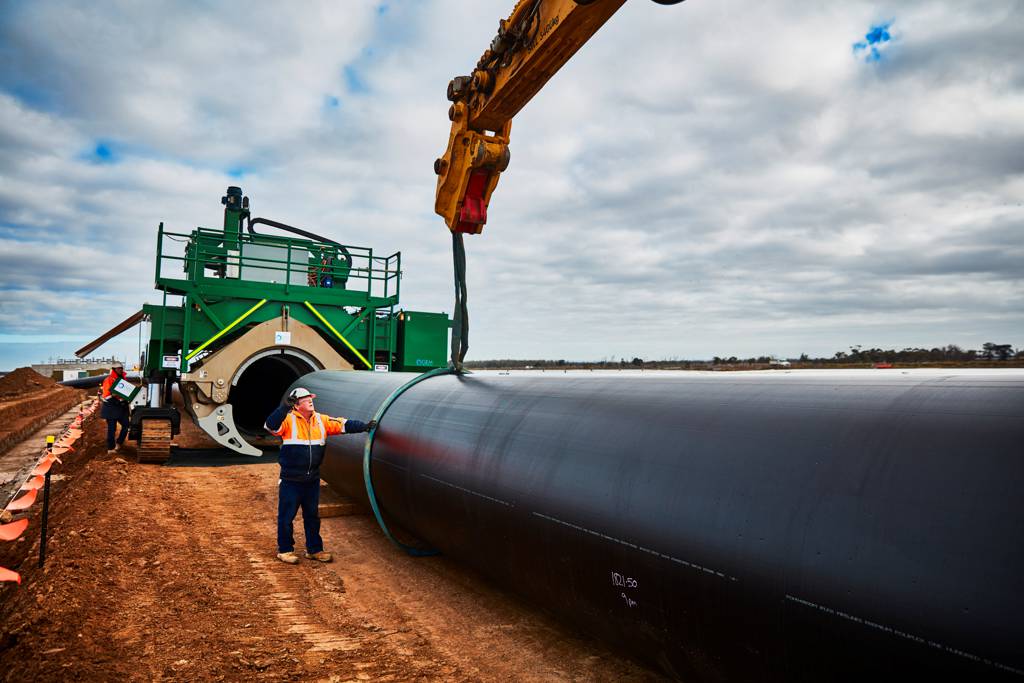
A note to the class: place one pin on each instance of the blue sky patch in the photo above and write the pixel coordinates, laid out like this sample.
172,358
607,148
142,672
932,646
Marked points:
331,102
354,81
36,98
103,152
872,48
238,172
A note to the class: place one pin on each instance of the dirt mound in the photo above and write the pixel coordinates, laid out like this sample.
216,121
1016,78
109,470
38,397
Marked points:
22,381
28,401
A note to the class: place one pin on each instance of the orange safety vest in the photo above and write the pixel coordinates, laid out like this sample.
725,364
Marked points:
295,430
109,383
304,443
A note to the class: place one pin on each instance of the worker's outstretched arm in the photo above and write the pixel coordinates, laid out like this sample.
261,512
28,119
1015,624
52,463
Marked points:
275,420
340,425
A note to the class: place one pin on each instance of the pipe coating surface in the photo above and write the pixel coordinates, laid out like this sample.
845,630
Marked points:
762,526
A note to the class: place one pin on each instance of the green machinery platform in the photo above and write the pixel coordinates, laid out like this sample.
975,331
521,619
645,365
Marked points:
232,279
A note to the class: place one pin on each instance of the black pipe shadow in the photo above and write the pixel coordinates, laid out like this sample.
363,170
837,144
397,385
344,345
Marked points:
217,457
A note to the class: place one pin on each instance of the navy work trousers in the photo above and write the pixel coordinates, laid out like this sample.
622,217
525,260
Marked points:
112,427
291,496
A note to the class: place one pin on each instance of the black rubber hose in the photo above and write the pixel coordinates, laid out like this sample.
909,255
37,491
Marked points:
299,231
460,312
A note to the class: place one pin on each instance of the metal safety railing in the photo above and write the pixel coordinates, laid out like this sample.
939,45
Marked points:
258,260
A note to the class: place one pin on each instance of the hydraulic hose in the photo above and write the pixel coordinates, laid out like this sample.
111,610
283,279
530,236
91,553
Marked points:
299,231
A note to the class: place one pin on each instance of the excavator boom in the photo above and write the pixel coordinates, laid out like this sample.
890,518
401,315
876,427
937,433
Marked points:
529,48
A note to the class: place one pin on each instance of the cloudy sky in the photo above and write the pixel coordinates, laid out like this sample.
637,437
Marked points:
720,177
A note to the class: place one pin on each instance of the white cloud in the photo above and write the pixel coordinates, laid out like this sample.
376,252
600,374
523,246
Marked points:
703,179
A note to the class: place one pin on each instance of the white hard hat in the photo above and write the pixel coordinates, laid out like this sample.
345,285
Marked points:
300,392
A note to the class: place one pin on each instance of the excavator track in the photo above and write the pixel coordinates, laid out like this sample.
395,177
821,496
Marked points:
155,441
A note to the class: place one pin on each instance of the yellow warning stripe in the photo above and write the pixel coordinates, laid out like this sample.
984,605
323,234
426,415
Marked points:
225,330
337,334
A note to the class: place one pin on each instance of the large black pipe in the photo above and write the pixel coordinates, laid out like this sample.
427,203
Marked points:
84,382
94,380
863,526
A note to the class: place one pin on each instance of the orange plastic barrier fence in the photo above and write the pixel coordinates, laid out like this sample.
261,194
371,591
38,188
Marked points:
49,458
9,532
24,502
43,467
8,575
35,482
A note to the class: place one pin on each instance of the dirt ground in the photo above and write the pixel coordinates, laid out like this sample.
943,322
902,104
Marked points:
158,573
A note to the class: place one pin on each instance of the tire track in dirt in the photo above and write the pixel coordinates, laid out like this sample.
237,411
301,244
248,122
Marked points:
483,632
375,613
303,602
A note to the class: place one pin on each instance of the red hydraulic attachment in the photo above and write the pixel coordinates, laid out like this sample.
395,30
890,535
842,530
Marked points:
474,204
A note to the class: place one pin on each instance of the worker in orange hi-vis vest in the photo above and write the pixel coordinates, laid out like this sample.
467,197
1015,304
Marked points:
115,409
304,433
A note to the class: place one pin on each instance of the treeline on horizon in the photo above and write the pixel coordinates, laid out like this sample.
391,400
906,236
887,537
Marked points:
990,354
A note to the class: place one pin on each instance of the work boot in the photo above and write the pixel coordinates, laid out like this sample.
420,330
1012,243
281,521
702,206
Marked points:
288,558
322,556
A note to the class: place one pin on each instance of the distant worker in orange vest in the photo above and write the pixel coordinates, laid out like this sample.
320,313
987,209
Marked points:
304,432
115,409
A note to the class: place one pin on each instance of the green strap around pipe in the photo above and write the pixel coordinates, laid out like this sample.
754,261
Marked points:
368,451
460,344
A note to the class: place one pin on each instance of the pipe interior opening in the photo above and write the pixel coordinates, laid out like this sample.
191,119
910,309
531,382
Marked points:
261,387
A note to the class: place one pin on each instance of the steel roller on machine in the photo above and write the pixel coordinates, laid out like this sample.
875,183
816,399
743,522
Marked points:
838,526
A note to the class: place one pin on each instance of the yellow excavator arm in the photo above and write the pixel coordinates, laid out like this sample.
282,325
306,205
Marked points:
530,47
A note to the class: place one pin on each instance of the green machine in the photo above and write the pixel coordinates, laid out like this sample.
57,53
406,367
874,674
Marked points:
245,313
